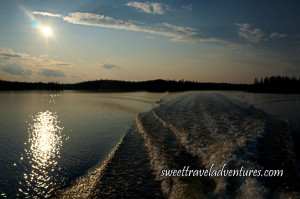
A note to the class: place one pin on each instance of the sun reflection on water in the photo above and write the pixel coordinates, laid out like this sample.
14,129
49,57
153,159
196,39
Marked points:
42,154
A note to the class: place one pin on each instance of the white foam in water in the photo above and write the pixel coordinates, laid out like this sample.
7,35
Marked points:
83,186
166,153
156,160
251,188
219,131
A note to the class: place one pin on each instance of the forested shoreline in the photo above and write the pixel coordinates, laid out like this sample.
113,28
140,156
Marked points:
273,84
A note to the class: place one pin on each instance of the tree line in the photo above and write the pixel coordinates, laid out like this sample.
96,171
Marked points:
268,84
279,84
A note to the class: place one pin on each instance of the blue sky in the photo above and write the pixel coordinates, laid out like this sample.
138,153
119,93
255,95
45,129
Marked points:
206,41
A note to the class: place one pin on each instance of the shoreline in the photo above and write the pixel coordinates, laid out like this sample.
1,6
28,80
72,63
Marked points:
286,86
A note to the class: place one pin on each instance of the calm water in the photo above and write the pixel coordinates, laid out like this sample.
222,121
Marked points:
48,140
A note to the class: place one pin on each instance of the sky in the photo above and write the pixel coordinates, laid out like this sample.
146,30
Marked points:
71,41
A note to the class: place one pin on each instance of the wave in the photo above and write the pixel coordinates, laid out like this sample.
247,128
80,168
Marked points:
211,128
166,153
83,186
126,173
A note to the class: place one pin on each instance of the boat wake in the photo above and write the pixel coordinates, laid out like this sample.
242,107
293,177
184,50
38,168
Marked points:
200,130
196,130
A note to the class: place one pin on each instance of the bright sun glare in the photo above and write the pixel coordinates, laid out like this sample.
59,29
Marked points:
47,31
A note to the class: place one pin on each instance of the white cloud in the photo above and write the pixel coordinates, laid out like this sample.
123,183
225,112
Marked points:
252,35
144,7
150,8
176,33
278,35
91,19
159,8
46,14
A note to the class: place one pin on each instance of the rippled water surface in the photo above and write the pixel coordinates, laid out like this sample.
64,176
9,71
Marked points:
48,139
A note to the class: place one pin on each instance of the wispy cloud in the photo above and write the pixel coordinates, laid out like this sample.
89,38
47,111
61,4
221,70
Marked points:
278,35
9,53
91,19
176,33
22,64
188,7
150,8
48,62
52,73
254,35
46,14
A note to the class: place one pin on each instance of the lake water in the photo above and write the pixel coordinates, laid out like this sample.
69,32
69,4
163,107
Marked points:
49,139
87,144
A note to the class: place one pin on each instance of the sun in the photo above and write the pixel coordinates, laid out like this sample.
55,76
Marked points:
46,31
